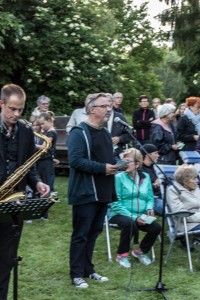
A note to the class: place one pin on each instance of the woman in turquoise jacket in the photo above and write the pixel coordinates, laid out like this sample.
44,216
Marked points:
134,210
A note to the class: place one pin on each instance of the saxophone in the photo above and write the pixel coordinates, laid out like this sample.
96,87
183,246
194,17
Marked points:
7,188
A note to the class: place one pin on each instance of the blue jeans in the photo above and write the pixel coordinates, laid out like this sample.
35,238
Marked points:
158,206
88,222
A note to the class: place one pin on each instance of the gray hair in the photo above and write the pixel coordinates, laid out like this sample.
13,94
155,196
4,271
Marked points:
110,96
92,99
42,99
165,110
117,94
87,99
184,173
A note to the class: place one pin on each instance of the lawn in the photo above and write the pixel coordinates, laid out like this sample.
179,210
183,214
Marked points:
44,270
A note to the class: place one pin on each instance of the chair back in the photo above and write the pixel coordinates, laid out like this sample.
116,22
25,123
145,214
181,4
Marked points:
190,157
168,170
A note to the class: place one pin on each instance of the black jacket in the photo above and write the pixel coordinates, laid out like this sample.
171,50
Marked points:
164,140
142,127
119,131
26,148
152,173
185,133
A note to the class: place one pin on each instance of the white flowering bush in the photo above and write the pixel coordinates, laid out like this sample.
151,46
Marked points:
66,49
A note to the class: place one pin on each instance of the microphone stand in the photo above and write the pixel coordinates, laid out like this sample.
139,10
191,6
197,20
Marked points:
160,286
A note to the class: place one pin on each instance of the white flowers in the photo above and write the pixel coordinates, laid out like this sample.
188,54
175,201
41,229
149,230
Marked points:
72,93
26,38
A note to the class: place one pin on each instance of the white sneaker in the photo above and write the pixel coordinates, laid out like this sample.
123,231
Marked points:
80,283
98,277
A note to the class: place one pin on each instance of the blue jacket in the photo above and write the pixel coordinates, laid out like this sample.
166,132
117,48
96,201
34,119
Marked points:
81,187
133,199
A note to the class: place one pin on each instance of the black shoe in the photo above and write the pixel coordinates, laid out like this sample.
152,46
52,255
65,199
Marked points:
184,245
196,241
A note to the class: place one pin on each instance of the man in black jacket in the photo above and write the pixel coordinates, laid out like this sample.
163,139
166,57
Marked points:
16,146
90,188
120,137
142,119
148,167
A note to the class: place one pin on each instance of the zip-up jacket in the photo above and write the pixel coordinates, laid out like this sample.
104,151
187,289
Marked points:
133,199
81,186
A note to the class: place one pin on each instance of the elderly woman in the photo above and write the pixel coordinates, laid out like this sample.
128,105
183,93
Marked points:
186,181
188,127
43,103
163,134
134,210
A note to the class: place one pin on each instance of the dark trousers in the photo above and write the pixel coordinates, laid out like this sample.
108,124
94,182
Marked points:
45,169
130,228
9,241
87,224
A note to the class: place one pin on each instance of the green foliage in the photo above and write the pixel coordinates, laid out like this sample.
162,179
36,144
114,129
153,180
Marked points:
44,270
184,18
66,49
138,54
169,73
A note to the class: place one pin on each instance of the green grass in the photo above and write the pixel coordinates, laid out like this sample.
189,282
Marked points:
44,270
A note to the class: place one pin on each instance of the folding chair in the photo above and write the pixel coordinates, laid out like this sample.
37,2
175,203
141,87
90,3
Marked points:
190,157
168,170
107,225
172,232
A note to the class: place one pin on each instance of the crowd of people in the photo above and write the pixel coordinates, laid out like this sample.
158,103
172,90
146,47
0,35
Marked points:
98,140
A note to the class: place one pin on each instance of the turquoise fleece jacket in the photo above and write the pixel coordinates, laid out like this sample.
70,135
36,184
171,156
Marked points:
133,199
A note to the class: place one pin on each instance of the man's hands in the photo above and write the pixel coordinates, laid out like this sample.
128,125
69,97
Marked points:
43,189
111,169
115,140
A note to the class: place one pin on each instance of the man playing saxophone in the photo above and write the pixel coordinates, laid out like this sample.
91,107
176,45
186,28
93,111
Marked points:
16,147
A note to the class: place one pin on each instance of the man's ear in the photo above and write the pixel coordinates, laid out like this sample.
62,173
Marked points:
91,110
1,102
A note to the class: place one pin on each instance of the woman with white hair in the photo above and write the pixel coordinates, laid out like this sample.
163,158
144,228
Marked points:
186,181
43,103
163,134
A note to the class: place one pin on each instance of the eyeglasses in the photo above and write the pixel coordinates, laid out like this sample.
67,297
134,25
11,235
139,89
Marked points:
103,106
45,103
194,178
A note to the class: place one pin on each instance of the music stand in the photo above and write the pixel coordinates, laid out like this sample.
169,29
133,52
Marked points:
16,212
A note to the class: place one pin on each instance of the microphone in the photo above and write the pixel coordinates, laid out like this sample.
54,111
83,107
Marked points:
118,120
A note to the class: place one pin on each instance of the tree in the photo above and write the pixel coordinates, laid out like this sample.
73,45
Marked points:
66,49
172,79
138,53
184,17
55,51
